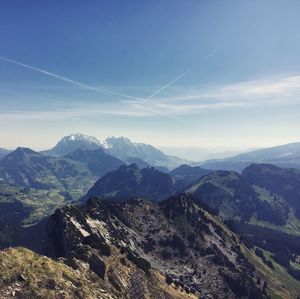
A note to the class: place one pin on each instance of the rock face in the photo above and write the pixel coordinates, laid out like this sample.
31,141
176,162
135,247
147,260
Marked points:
140,245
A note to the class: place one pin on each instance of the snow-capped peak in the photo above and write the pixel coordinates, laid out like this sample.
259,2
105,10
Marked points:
82,137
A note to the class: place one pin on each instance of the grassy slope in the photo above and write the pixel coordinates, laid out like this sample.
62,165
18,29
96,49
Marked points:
292,225
280,283
45,278
49,279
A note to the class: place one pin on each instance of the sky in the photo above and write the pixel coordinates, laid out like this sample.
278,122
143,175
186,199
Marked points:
200,73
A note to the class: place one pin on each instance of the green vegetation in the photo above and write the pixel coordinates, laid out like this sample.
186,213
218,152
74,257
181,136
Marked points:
280,283
37,203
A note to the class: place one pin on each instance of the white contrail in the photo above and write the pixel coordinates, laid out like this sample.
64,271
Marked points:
68,80
145,101
181,75
88,87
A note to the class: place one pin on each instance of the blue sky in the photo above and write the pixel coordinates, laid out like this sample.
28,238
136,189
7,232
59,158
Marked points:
96,67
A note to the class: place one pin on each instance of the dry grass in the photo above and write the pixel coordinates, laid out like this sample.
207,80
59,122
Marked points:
45,278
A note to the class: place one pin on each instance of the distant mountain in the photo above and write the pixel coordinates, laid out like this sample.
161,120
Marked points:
123,148
3,153
263,194
24,167
130,182
139,162
226,193
198,153
71,143
188,174
119,147
73,173
279,186
287,155
97,161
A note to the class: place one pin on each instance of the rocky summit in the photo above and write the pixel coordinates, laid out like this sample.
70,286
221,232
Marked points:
171,249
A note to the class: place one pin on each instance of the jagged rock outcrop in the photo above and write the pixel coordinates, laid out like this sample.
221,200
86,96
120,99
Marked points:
172,244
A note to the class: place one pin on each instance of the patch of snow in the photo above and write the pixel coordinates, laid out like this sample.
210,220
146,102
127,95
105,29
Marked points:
100,227
106,145
79,227
285,155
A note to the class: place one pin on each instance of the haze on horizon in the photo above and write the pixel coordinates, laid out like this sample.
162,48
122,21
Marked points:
199,74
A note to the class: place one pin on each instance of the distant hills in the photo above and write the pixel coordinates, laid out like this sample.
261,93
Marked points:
263,194
132,182
287,155
73,173
188,174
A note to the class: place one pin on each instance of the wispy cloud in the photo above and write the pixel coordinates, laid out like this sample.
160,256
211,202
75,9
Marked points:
173,81
178,101
283,90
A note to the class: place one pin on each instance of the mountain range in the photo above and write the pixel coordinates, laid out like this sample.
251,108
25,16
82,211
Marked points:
287,155
119,147
144,155
127,226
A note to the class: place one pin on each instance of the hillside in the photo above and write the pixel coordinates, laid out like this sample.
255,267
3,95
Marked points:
73,173
188,174
25,274
263,194
261,204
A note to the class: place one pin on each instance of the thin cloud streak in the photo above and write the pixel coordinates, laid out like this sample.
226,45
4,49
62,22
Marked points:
146,102
282,91
181,75
287,88
68,80
149,106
